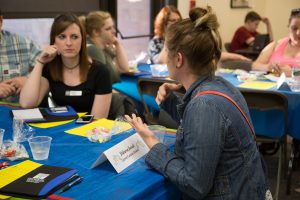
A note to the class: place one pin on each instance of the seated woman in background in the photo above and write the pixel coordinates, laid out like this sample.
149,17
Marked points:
64,69
281,56
103,45
166,16
215,154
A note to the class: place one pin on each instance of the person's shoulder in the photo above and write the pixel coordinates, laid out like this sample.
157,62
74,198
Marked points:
97,66
242,29
16,37
283,40
9,36
91,46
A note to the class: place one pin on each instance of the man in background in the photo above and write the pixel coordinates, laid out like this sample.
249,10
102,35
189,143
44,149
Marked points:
244,36
17,57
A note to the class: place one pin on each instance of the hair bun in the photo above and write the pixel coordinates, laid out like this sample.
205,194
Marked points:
196,13
204,18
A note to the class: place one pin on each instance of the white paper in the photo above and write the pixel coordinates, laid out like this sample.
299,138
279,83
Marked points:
28,114
124,153
281,80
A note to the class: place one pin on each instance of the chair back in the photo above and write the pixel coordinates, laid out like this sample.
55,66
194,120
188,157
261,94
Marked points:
148,88
271,103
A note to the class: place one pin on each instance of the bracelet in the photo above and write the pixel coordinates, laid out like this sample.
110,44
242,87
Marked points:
38,60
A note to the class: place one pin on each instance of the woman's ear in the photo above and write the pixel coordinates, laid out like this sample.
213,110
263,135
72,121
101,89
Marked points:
179,60
96,32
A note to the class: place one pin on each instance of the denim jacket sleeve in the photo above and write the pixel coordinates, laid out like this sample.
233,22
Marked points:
200,139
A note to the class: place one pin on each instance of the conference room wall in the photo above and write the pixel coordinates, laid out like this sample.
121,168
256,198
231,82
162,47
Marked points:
278,12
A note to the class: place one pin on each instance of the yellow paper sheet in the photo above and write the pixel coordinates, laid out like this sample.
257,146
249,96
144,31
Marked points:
257,85
14,172
53,124
4,196
81,131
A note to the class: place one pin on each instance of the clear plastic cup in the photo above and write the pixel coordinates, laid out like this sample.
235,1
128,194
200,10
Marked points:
119,125
159,131
21,131
1,136
40,147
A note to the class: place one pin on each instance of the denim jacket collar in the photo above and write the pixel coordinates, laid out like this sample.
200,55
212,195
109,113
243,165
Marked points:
190,93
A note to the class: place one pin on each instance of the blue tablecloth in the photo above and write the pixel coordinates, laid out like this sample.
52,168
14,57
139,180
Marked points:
138,181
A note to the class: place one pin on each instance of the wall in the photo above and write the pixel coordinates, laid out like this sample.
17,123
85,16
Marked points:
279,12
230,19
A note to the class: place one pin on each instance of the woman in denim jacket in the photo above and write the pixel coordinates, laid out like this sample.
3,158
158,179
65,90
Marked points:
215,152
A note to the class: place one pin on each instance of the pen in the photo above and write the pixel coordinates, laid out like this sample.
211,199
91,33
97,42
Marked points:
68,186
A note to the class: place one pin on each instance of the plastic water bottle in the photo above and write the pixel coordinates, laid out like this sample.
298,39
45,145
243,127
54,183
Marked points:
295,86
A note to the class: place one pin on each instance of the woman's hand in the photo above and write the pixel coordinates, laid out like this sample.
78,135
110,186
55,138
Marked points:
143,130
277,69
286,69
19,82
164,91
265,20
7,88
48,54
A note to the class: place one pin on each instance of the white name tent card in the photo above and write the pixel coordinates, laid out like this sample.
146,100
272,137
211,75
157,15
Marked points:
281,80
124,153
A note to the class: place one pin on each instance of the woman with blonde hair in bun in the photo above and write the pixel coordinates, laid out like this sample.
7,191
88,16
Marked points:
215,154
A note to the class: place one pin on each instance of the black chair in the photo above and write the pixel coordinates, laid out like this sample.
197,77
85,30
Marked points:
149,87
264,101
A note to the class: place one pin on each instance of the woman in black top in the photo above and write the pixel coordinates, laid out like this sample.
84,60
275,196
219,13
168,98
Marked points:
65,70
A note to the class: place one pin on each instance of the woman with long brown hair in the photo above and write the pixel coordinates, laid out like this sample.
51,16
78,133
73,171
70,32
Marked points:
65,70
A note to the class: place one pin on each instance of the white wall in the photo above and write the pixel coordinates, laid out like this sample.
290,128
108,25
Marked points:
230,19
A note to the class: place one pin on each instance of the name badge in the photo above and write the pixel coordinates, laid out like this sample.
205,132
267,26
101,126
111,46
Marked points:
73,93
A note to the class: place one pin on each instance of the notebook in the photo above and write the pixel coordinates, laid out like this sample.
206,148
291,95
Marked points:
31,179
44,114
261,41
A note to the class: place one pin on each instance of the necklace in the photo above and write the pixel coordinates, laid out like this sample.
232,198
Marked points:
70,67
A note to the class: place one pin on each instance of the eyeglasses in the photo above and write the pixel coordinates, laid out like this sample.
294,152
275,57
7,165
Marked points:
295,11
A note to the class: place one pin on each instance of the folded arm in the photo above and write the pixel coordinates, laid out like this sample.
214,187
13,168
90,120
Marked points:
35,88
261,63
101,105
